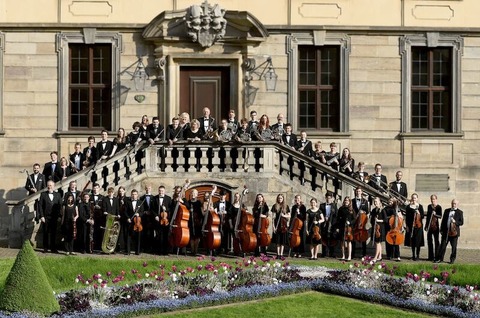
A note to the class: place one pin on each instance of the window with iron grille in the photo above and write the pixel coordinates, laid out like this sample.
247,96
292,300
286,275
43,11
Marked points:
318,88
431,100
90,91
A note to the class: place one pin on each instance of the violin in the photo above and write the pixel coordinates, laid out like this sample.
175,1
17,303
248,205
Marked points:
360,234
164,217
316,232
137,224
395,235
417,223
283,225
244,227
378,232
433,222
348,237
452,230
179,235
211,224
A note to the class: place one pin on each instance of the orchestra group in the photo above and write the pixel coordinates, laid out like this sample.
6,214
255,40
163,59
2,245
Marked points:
163,224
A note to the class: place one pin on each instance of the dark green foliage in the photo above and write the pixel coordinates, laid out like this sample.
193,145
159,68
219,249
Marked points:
27,287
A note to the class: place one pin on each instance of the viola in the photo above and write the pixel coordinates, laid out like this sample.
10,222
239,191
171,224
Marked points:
264,238
378,232
360,234
283,225
179,234
244,227
163,217
348,237
295,238
433,222
316,232
213,238
417,223
452,230
395,235
137,224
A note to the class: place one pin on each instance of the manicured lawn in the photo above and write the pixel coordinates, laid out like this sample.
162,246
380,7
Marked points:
309,304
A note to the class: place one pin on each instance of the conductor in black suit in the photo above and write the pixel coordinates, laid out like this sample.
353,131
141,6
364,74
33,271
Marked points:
452,220
50,204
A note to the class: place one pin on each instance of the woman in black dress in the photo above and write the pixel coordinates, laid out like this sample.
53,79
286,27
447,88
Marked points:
195,222
414,222
378,218
69,217
119,142
260,210
299,210
281,220
313,221
346,219
193,131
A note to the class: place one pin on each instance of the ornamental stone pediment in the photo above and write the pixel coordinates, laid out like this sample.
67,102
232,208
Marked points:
205,25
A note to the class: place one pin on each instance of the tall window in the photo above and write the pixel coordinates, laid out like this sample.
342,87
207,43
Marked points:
318,88
431,89
90,91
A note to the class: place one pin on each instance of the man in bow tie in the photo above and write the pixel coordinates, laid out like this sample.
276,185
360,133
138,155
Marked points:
279,128
51,170
399,188
77,158
207,123
90,153
148,219
133,208
378,180
105,146
329,227
289,138
36,181
253,122
155,131
161,203
452,220
50,204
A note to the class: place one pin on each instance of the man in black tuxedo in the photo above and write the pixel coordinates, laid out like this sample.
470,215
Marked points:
232,123
51,169
50,204
72,189
378,180
161,203
155,131
304,145
289,138
96,200
253,122
84,222
104,147
278,128
330,214
35,181
133,208
359,203
399,187
207,123
148,219
90,153
77,158
452,220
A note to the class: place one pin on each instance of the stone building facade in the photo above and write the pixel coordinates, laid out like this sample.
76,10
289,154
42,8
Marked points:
395,81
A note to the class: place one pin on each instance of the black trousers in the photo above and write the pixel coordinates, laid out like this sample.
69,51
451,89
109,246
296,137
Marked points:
50,234
453,240
433,243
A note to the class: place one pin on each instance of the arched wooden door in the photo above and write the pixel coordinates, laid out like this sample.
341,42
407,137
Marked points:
204,86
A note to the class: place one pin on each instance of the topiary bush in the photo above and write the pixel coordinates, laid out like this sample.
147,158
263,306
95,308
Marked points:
27,287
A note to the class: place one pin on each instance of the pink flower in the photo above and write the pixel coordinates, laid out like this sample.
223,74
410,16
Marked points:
145,264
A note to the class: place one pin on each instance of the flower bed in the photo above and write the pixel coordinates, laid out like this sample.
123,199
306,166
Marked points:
213,282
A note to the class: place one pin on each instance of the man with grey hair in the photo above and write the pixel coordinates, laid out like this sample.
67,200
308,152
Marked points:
452,220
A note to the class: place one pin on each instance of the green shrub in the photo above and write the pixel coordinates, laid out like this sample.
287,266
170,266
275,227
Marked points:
27,287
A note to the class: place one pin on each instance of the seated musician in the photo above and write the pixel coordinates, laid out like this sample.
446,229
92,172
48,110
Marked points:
175,131
243,132
155,132
288,138
347,163
193,131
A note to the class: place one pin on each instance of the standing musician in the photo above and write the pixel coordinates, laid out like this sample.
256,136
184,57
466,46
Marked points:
120,141
155,131
330,229
175,131
243,133
281,223
184,120
224,133
195,221
347,163
90,153
360,205
361,174
234,210
161,210
68,224
392,210
278,128
104,146
144,123
263,131
148,219
96,200
432,227
304,145
134,138
50,204
84,222
378,218
207,123
399,187
346,219
260,211
300,211
378,180
222,207
110,205
176,199
133,214
332,158
414,222
253,122
193,131
452,220
65,169
288,138
318,153
232,122
122,201
72,190
313,223
51,169
35,181
77,158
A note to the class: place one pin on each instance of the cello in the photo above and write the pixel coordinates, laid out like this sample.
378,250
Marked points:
244,227
264,238
395,235
211,222
179,235
360,234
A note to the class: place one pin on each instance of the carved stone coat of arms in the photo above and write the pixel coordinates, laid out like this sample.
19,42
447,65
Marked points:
205,23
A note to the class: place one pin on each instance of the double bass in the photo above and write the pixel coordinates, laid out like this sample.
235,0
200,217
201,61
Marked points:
179,234
360,233
211,222
244,227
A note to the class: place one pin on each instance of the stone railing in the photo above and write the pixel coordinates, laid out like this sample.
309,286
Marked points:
247,160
